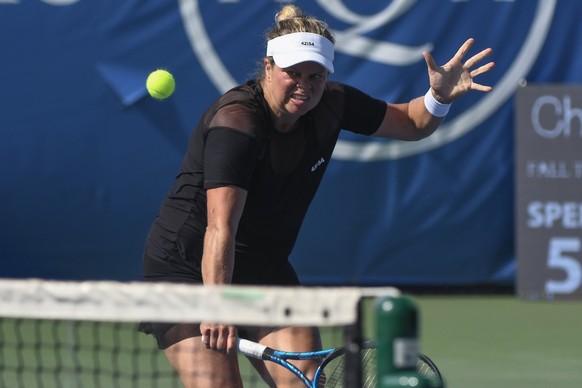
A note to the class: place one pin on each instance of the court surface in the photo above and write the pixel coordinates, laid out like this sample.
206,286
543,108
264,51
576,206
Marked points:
502,341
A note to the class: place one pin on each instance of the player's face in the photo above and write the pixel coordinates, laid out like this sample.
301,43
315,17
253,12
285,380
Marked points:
294,91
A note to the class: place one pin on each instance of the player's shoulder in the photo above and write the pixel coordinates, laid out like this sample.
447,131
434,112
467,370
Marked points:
340,93
336,94
332,87
247,94
338,88
239,108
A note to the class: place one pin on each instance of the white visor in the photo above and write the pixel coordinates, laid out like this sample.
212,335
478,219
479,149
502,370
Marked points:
291,49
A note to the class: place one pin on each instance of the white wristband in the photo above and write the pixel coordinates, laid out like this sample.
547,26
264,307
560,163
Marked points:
435,108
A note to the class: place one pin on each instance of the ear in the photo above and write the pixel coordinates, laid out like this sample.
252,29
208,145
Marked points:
267,65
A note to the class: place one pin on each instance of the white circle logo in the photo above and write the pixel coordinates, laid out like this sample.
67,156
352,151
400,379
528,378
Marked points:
353,42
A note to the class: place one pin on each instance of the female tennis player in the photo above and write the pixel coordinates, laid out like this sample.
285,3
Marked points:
253,165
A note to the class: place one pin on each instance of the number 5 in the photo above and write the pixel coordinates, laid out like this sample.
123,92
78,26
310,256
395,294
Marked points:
570,265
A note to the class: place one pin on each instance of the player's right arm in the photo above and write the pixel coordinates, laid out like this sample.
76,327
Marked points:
225,206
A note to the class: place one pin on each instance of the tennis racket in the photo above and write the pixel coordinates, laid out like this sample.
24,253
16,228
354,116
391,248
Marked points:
330,373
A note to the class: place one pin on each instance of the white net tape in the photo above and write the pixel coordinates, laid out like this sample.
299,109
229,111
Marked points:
165,302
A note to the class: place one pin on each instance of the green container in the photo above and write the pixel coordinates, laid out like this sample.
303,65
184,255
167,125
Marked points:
397,322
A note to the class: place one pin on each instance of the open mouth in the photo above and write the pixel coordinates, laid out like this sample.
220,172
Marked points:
299,97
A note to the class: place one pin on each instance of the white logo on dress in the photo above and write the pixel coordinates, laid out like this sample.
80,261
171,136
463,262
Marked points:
316,165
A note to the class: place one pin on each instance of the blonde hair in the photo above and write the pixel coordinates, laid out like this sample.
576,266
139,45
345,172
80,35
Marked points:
291,19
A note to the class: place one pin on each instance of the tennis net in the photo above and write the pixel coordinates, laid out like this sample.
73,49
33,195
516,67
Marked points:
84,334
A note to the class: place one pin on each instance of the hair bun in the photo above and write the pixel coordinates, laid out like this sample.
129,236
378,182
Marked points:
288,12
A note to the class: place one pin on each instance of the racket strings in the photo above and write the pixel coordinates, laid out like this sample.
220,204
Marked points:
369,368
333,374
334,371
424,369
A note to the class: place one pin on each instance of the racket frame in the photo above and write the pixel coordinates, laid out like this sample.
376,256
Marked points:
280,357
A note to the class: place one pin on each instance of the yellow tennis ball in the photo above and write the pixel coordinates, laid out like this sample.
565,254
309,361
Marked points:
160,84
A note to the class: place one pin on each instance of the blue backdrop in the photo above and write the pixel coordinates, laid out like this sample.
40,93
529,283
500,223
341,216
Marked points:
86,155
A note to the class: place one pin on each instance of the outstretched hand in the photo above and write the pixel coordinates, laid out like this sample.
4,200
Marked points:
455,78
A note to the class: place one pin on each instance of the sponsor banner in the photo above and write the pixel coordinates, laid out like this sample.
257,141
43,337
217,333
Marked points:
87,155
548,136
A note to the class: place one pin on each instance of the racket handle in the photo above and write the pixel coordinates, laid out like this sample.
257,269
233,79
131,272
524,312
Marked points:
250,348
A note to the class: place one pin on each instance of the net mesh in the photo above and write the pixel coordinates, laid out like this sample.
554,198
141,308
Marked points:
60,353
84,334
